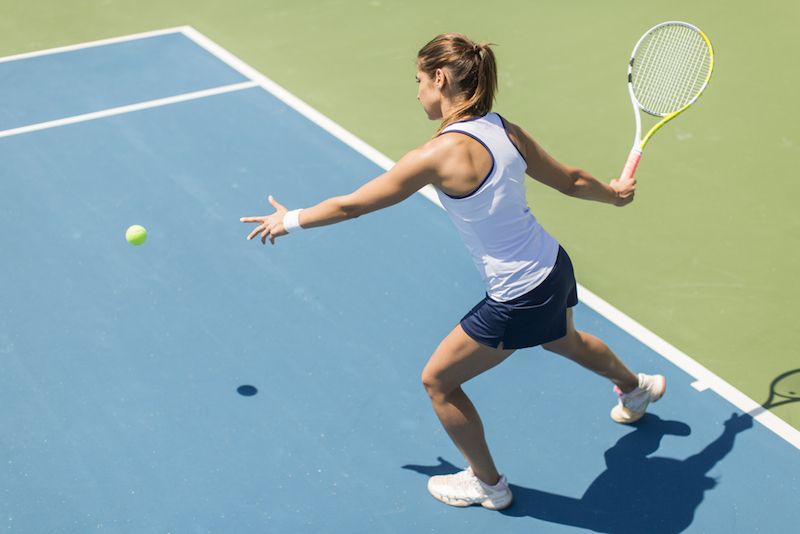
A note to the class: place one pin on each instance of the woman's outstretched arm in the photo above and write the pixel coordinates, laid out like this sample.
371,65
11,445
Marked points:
415,170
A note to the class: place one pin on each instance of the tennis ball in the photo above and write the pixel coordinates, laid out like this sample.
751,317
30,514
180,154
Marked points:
136,235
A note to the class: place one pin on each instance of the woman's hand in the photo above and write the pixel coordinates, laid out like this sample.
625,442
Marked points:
269,226
624,190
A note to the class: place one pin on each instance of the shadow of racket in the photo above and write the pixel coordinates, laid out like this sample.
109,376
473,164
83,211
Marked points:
784,389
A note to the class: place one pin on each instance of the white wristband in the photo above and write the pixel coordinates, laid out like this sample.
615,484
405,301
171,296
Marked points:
291,221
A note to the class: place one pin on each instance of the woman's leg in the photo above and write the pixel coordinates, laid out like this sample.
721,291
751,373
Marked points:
458,359
593,354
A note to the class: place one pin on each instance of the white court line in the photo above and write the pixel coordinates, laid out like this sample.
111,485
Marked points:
129,108
91,44
706,378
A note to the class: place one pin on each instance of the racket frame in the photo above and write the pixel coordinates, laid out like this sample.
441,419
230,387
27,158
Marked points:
635,154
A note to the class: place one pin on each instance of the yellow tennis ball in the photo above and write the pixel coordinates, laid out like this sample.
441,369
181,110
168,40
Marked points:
136,235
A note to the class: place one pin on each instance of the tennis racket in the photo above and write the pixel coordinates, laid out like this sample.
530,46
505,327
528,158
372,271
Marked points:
669,69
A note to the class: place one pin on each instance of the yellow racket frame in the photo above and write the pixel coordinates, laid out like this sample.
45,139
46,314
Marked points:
674,114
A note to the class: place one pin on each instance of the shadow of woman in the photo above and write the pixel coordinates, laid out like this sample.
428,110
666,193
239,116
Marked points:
636,493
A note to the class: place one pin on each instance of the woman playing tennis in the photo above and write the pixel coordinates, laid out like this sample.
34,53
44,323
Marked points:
477,163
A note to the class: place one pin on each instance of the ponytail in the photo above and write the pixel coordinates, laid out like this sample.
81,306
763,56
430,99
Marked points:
473,71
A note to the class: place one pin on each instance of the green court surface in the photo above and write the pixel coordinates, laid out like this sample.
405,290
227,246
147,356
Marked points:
707,256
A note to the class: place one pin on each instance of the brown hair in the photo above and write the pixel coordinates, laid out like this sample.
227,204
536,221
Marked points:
472,68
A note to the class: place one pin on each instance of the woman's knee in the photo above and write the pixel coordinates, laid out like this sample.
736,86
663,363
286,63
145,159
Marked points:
435,387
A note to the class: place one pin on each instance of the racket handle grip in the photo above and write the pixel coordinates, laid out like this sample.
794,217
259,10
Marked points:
630,166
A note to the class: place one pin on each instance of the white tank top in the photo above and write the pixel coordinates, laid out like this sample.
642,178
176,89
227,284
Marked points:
511,250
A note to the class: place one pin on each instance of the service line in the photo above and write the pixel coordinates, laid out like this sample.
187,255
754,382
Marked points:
129,108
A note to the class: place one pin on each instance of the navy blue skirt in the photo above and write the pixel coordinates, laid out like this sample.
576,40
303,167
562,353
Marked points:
537,317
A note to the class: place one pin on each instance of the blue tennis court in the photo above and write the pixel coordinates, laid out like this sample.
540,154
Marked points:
121,365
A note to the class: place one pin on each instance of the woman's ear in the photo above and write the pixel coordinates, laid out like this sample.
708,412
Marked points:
439,79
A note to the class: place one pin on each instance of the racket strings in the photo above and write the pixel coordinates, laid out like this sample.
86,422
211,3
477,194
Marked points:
693,76
673,70
670,69
665,77
657,72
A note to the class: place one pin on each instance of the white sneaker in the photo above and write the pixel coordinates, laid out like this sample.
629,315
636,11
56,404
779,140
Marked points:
632,406
465,489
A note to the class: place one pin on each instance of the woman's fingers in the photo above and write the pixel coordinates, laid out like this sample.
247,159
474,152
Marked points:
264,225
275,204
266,234
257,231
265,228
624,190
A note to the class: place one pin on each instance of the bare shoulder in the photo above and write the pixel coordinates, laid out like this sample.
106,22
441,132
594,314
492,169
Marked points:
430,160
540,165
518,136
444,149
511,128
444,144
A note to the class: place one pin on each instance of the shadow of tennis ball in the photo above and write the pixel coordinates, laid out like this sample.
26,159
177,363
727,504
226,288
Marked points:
246,390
